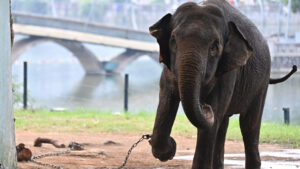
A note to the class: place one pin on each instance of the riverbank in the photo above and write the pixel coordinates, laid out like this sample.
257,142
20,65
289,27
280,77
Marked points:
95,121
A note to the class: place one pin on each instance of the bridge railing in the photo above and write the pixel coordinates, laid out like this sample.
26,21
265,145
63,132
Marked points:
80,26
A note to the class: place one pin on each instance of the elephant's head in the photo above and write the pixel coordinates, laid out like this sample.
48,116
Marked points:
198,45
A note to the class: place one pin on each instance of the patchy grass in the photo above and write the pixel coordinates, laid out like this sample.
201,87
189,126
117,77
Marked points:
272,133
82,120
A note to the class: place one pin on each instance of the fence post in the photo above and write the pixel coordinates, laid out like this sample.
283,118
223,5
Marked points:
7,128
286,112
126,92
25,86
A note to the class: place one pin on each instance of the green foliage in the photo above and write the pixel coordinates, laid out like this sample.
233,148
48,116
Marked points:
295,5
17,95
91,121
270,133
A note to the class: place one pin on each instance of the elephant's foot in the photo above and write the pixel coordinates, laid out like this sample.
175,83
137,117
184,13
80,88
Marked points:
164,152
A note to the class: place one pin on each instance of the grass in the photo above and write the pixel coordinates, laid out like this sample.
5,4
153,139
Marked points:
90,121
272,133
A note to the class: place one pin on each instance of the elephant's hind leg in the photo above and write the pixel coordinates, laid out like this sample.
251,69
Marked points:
250,127
218,162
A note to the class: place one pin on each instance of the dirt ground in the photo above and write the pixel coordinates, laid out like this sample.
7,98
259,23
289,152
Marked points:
98,155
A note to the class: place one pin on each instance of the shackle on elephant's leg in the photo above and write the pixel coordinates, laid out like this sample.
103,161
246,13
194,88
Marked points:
165,153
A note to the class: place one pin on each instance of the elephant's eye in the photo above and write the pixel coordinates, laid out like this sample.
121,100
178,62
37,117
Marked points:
213,50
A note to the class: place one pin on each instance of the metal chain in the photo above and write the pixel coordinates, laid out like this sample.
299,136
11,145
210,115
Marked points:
144,137
68,150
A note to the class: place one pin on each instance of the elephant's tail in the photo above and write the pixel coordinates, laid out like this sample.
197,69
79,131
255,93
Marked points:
279,80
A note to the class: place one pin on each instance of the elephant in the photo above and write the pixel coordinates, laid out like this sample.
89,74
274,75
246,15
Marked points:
217,64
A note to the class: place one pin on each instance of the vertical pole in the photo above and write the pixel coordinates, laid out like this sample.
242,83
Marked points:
126,93
7,128
54,13
262,13
279,18
133,16
286,112
25,86
288,20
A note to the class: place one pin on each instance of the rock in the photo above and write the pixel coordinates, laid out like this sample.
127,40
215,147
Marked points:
76,146
102,153
109,143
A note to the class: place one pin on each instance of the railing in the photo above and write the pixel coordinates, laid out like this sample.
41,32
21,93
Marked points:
285,54
80,26
287,49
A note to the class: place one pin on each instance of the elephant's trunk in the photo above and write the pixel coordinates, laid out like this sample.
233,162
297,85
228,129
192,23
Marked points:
190,73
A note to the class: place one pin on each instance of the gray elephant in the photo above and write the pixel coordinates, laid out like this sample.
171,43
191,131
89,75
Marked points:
217,64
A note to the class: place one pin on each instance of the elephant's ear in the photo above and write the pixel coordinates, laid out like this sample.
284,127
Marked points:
162,32
236,51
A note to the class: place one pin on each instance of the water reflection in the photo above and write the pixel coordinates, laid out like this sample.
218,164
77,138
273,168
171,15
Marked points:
91,90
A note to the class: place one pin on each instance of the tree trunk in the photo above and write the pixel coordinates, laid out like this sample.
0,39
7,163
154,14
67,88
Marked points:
7,127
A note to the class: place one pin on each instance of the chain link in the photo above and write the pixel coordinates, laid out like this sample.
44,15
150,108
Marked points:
68,150
144,137
73,145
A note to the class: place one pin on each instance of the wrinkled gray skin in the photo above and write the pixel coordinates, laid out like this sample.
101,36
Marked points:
217,64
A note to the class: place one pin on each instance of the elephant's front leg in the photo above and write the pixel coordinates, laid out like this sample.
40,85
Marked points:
208,147
203,158
163,146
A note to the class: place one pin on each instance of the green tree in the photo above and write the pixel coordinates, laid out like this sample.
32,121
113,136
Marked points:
295,5
17,95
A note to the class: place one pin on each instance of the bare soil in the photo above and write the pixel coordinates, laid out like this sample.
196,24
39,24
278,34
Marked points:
96,154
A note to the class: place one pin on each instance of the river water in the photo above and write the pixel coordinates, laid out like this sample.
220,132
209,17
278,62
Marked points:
56,79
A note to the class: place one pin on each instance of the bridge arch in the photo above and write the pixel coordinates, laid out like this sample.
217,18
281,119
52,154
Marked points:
87,59
128,56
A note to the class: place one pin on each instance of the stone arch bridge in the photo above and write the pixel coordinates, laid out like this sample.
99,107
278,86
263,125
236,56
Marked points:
71,34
